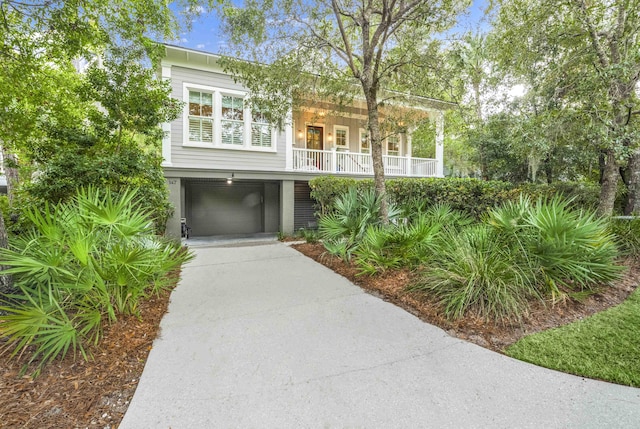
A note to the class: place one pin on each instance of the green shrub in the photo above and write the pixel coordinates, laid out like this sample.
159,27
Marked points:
474,270
309,235
353,212
471,196
326,190
571,251
83,262
407,243
627,233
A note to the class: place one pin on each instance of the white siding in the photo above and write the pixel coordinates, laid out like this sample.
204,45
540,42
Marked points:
210,158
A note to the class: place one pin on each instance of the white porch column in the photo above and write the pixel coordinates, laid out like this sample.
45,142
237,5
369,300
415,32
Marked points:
440,144
166,127
288,138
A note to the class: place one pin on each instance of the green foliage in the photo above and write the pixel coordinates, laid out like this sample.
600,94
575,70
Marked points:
406,244
83,262
327,189
475,270
571,251
473,197
604,346
72,168
115,146
627,233
353,213
522,250
309,235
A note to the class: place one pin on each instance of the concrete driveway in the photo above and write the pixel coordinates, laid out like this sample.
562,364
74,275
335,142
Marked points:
263,337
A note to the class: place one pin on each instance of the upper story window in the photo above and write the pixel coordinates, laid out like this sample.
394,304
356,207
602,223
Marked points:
365,142
220,118
342,136
232,120
393,145
260,130
200,116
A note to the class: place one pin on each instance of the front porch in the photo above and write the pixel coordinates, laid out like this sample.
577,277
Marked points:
354,163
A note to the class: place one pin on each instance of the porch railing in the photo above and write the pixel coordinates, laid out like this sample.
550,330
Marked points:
334,162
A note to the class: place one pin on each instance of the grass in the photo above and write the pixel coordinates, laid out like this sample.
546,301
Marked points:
605,346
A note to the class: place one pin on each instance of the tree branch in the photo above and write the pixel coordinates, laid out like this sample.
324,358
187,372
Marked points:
345,38
595,42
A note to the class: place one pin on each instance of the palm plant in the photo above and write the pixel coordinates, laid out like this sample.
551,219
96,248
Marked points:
342,229
571,251
83,261
473,270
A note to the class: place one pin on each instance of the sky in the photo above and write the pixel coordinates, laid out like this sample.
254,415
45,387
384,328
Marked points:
205,33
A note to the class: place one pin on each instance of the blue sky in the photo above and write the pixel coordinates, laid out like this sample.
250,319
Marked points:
205,34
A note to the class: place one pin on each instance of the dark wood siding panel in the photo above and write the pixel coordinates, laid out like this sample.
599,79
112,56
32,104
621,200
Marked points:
303,207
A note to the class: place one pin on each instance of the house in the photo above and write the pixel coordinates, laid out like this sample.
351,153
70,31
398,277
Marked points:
231,172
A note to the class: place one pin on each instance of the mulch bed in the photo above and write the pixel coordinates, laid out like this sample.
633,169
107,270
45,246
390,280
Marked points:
72,393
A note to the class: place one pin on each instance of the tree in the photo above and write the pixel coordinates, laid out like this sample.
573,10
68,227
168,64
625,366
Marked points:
330,46
114,144
42,44
588,55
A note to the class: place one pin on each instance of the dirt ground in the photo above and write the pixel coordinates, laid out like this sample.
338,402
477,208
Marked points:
76,394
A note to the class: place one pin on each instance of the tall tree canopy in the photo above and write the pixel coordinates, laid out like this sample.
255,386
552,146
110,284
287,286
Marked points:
49,113
583,57
331,47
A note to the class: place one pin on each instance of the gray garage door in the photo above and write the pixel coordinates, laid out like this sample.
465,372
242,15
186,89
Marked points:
216,208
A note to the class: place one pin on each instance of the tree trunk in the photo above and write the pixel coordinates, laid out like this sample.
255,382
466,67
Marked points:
376,152
5,280
548,169
633,186
610,177
11,173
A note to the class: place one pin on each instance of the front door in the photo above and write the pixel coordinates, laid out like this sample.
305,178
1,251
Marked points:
314,137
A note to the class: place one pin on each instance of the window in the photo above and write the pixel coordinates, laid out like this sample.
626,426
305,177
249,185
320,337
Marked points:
393,146
260,130
342,135
232,123
220,118
365,142
200,116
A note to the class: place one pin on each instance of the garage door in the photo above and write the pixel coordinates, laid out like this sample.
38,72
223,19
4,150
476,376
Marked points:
216,208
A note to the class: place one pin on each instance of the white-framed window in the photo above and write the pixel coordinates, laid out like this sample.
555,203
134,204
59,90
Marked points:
200,110
232,122
261,130
220,118
393,145
365,141
342,136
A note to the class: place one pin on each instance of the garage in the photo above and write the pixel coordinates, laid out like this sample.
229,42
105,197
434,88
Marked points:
215,207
